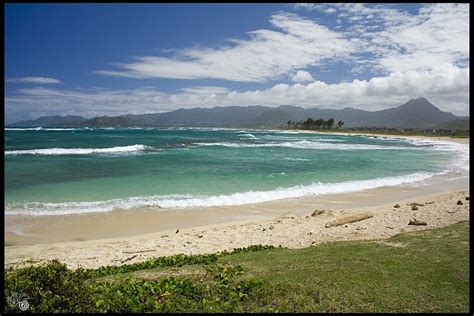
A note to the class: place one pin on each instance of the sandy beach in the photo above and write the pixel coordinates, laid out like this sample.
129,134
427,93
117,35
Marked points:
128,236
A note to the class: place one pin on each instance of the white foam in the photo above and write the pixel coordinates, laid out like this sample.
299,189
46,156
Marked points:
248,135
81,151
296,159
187,201
23,129
44,129
305,144
286,132
460,159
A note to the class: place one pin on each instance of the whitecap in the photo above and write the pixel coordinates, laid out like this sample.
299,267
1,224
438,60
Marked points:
81,151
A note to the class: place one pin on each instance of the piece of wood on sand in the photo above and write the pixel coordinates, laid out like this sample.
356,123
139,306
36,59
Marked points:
349,219
416,204
416,222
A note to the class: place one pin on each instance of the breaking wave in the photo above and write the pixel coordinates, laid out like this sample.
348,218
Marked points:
189,201
81,151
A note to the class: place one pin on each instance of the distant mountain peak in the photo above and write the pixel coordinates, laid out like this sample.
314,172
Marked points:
419,103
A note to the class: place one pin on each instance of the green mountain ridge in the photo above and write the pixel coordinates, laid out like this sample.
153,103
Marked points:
416,113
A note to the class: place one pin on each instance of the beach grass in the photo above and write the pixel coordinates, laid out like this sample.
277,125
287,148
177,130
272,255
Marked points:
423,271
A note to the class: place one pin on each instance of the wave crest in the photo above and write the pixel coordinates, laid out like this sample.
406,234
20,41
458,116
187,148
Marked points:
81,151
188,201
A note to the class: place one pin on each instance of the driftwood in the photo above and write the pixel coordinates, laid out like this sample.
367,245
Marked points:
349,219
139,251
128,259
416,204
414,207
431,202
417,222
396,206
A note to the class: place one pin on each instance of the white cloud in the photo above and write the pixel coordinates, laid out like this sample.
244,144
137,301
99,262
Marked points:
390,39
302,76
266,55
446,86
206,90
439,34
384,38
38,80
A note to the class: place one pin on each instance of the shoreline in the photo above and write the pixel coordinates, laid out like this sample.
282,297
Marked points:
459,140
119,230
290,229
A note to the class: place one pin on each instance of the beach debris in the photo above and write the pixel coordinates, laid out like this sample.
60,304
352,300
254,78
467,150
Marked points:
287,215
431,202
414,207
416,204
128,259
320,212
349,219
417,222
271,227
264,229
389,227
396,206
164,236
451,211
467,198
310,233
460,203
138,251
307,216
177,231
200,236
360,228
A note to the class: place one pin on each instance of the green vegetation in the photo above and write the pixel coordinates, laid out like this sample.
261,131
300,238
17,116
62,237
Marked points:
314,124
425,271
323,125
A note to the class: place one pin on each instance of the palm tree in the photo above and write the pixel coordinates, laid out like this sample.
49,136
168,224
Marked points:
330,123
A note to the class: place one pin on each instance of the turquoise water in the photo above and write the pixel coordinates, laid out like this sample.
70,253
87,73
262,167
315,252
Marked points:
63,171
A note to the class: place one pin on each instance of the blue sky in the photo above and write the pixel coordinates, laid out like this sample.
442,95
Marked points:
111,59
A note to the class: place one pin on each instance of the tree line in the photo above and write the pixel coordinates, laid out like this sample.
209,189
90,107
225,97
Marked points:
311,123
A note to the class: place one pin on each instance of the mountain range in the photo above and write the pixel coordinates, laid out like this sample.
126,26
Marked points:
416,113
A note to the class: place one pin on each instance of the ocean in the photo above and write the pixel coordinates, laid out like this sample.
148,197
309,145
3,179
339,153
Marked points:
59,171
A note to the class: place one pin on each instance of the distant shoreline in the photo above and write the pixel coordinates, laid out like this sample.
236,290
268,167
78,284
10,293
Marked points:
461,140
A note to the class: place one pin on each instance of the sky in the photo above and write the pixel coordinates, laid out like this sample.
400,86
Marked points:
112,59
